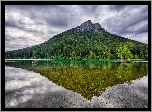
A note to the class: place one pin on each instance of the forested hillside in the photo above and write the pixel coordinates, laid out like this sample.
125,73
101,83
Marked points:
87,41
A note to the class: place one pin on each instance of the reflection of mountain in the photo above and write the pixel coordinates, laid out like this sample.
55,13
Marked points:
88,78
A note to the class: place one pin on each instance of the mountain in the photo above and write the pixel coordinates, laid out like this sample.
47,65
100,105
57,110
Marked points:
88,26
87,41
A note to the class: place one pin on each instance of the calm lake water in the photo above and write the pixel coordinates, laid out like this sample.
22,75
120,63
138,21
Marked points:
67,83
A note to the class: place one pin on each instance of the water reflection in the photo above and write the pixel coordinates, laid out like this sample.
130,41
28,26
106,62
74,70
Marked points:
24,89
134,95
34,63
88,78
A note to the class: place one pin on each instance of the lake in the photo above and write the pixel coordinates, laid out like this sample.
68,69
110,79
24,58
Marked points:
76,84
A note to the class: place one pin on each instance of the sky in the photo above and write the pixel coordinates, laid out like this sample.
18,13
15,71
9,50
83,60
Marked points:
29,25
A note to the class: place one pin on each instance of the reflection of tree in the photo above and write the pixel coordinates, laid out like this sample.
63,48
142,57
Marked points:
124,71
130,71
88,78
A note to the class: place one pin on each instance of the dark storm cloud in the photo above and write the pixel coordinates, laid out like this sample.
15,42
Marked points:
11,24
57,22
47,15
52,16
120,23
132,28
117,8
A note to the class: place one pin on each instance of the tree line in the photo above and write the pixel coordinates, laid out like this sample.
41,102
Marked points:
89,45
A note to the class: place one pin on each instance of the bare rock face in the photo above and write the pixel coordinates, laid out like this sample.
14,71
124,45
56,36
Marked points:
88,26
97,26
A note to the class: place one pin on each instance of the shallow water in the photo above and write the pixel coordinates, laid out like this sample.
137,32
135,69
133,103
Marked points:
76,84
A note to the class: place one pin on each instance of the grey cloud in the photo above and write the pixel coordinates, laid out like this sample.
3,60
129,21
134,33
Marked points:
50,16
22,26
139,28
124,29
117,8
123,25
120,23
58,22
89,8
7,39
51,32
20,40
10,24
14,24
13,47
28,8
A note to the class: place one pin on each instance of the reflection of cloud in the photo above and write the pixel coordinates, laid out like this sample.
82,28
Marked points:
21,85
124,95
28,89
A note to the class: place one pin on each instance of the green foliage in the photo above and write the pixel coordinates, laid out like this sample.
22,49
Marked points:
98,44
123,51
136,57
91,55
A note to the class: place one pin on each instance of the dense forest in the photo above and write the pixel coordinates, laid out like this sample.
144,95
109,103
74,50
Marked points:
73,44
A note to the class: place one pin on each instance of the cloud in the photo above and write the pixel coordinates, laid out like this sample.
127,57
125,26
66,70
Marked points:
127,21
117,8
41,22
140,37
126,18
140,27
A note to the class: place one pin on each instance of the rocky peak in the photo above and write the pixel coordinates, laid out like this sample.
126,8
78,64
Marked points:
89,26
97,26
